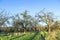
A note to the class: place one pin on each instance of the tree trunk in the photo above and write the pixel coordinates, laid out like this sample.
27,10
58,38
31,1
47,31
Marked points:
49,30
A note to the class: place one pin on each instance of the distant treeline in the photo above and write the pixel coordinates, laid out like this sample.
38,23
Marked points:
24,22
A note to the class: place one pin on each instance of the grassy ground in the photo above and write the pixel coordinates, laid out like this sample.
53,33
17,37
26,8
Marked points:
27,36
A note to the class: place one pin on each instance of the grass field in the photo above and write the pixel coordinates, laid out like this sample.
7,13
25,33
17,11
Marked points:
26,36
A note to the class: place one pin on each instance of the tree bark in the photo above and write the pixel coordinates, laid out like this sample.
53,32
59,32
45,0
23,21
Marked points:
49,30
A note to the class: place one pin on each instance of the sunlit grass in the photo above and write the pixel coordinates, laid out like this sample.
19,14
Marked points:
28,36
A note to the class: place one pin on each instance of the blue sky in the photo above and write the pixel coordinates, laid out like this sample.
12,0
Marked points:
33,6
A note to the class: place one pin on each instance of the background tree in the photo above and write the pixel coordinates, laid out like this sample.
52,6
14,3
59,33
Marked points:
26,19
4,17
56,26
16,22
23,22
47,18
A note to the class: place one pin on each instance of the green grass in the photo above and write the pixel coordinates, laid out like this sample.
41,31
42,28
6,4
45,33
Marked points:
27,36
11,36
58,36
21,36
37,36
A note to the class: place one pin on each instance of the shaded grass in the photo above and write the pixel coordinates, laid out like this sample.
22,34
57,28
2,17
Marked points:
28,36
17,37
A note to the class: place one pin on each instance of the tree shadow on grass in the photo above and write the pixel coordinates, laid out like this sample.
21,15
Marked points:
31,38
42,37
17,37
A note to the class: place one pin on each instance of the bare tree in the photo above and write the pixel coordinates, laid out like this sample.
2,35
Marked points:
3,17
46,17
